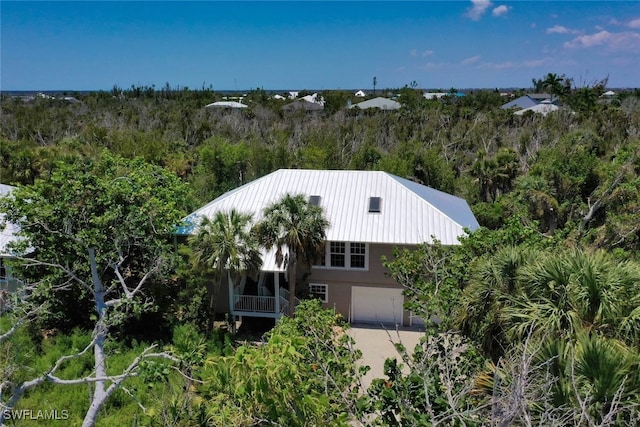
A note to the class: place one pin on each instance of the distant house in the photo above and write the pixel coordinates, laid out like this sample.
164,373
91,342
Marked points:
379,102
370,213
527,101
226,104
279,97
608,94
434,95
303,104
70,99
360,94
543,108
7,235
314,98
44,96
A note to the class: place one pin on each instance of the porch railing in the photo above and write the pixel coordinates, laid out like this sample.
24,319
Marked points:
284,301
262,304
255,304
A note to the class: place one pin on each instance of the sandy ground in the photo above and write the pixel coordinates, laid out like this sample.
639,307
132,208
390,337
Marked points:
377,344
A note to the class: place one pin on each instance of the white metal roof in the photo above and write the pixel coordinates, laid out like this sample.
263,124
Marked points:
379,102
434,95
542,108
226,104
8,231
410,213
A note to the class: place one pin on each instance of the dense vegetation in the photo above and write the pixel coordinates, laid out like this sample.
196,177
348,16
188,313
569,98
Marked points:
536,316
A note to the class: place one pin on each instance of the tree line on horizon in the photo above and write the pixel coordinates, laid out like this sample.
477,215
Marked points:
540,305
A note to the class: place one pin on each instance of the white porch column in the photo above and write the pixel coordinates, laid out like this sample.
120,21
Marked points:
276,286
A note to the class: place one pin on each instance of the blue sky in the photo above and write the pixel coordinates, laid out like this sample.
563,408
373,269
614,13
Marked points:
90,45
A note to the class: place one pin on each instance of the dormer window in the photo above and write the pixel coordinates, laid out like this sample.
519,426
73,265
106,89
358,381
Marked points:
314,200
375,204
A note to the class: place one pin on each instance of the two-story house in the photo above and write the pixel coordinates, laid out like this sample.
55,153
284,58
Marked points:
370,213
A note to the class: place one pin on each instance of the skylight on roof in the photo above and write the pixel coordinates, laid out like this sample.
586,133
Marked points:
375,204
314,200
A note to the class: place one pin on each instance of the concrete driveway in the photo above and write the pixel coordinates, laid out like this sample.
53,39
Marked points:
377,344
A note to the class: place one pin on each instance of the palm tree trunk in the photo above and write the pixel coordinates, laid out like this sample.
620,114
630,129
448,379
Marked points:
292,281
232,317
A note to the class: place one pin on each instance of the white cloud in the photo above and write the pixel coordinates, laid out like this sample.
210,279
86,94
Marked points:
427,53
478,9
500,10
413,52
557,29
533,25
471,60
633,23
615,42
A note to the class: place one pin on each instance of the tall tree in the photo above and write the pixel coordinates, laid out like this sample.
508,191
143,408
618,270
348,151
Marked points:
225,243
100,228
297,229
555,84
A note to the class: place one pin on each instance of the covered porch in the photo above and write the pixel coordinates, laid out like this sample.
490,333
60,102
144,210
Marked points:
264,298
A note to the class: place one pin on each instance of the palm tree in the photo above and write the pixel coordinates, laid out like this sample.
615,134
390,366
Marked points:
485,172
571,292
555,84
299,226
492,286
580,309
562,293
225,243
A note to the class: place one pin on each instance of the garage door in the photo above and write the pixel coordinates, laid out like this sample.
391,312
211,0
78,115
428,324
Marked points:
376,305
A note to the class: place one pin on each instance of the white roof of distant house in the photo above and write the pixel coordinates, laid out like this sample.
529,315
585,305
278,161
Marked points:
544,108
226,104
8,231
434,95
379,102
360,94
410,213
276,96
314,98
609,93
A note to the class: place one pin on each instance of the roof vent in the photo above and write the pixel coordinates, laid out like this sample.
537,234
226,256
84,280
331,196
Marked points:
375,203
314,200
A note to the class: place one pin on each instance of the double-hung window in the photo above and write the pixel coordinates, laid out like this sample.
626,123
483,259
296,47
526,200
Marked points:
337,252
345,255
358,252
319,291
